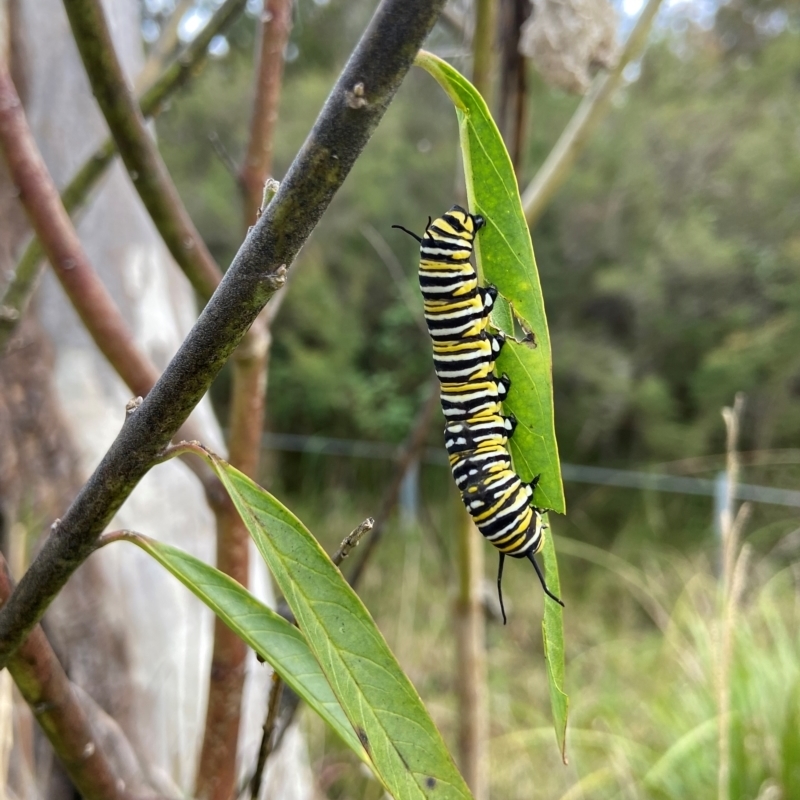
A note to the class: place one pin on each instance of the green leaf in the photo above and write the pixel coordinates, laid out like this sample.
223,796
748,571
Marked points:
505,258
504,254
277,641
553,637
406,749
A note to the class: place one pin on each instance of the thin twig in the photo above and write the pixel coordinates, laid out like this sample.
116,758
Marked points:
136,146
54,702
351,541
26,274
579,129
380,62
59,240
276,24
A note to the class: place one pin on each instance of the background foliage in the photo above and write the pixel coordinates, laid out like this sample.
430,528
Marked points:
669,260
670,265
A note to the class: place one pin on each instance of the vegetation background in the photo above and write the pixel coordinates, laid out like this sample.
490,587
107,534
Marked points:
670,265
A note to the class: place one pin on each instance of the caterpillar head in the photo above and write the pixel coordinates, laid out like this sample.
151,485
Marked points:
471,223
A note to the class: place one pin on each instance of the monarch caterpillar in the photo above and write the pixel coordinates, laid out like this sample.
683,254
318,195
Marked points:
464,353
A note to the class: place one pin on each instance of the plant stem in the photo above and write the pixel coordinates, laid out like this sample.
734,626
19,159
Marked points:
470,667
379,63
473,712
136,146
579,129
483,45
54,702
62,246
216,775
26,274
276,24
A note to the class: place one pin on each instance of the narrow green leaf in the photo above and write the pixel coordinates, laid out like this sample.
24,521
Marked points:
505,258
675,760
277,641
553,637
406,749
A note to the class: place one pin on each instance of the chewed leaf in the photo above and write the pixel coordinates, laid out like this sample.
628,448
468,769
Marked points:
502,317
505,258
505,318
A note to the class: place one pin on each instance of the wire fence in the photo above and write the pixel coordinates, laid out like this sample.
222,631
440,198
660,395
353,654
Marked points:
575,473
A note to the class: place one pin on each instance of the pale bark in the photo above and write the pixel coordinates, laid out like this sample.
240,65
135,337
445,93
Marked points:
152,658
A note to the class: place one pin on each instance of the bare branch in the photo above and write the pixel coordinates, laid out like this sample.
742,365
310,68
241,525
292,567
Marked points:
136,146
216,773
276,24
590,112
60,242
188,63
60,710
380,62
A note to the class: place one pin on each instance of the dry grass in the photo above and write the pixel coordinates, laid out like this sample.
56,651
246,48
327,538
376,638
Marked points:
643,667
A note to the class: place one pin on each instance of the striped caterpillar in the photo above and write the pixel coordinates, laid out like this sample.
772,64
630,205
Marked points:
476,432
